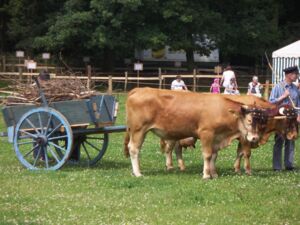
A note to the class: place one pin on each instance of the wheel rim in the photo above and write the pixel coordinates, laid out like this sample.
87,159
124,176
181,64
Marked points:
40,138
89,149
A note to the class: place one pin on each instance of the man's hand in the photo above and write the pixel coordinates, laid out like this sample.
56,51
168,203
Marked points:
285,94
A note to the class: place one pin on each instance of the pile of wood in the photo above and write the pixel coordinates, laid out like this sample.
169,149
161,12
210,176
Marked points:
54,90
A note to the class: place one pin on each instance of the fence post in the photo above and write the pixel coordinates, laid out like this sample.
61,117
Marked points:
109,85
20,73
267,87
89,72
126,80
194,80
3,63
160,78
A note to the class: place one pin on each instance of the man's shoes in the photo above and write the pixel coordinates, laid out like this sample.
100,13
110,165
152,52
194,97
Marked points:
290,168
276,170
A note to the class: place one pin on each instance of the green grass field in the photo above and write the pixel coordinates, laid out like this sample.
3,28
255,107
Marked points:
108,194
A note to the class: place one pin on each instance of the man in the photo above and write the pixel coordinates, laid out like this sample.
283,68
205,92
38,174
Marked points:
178,84
283,93
254,87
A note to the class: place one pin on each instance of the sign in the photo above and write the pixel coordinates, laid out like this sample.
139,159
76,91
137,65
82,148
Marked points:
218,69
46,55
138,66
86,59
177,64
31,65
19,54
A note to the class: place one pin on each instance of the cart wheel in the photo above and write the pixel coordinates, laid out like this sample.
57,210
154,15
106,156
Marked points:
40,139
89,149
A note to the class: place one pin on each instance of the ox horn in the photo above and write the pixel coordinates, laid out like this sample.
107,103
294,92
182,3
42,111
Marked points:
281,111
279,117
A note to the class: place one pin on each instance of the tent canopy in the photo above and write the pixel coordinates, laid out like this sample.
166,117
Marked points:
291,51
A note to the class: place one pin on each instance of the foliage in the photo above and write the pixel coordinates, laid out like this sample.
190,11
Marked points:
108,194
112,30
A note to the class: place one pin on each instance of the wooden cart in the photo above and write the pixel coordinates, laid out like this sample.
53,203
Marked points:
46,137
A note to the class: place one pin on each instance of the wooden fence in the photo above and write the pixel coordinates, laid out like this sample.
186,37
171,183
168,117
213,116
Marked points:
195,80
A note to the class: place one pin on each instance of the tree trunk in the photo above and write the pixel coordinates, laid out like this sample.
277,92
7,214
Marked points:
190,59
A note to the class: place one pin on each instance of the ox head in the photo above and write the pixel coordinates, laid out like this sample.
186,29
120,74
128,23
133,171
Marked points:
253,121
286,122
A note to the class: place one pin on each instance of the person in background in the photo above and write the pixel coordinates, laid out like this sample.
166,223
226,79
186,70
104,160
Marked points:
227,77
215,86
231,88
254,87
178,84
283,93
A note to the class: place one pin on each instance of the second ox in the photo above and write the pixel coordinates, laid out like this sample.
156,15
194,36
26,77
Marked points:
213,119
284,123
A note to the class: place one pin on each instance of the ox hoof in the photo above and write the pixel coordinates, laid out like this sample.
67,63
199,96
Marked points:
182,168
214,175
169,168
238,172
206,177
248,173
136,175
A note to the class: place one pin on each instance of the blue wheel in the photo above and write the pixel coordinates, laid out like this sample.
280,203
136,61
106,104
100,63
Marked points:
40,139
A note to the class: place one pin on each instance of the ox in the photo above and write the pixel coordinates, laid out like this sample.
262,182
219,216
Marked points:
285,125
171,115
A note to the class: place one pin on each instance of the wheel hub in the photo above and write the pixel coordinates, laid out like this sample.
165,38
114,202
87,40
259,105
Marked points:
42,140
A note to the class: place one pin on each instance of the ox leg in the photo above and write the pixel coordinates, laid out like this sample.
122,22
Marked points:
168,151
213,171
178,151
239,154
134,146
247,166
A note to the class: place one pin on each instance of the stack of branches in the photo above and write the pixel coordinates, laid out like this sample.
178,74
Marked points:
54,90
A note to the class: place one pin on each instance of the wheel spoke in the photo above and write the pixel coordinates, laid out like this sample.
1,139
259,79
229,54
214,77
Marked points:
53,154
31,150
93,146
26,142
30,134
48,123
57,138
46,156
57,146
32,125
40,122
59,125
86,151
37,156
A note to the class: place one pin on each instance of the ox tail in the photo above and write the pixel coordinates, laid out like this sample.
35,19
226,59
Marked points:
126,142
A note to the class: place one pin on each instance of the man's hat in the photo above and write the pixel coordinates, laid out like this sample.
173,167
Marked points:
292,69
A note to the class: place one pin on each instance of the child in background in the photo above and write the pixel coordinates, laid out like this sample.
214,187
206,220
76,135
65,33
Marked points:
215,86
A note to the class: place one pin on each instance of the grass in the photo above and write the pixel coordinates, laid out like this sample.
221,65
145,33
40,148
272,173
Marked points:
108,194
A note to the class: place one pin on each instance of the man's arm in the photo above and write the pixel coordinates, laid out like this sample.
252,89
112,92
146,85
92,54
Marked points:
276,97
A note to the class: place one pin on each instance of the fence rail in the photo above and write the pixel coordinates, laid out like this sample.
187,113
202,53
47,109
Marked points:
196,80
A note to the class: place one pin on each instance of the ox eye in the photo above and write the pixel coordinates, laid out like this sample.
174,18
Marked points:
249,121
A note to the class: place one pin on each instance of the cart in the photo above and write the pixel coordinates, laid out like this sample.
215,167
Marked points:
74,131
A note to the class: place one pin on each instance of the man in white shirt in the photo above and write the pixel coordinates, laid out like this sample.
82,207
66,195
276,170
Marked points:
254,87
178,84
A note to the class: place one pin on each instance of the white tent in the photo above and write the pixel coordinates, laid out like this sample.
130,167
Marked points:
283,58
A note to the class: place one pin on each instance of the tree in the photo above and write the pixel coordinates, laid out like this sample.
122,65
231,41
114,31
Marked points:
192,26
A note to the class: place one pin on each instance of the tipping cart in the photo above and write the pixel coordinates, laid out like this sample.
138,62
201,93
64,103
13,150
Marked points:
46,137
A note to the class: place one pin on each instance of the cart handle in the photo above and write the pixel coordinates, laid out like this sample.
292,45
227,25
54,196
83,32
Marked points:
41,93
